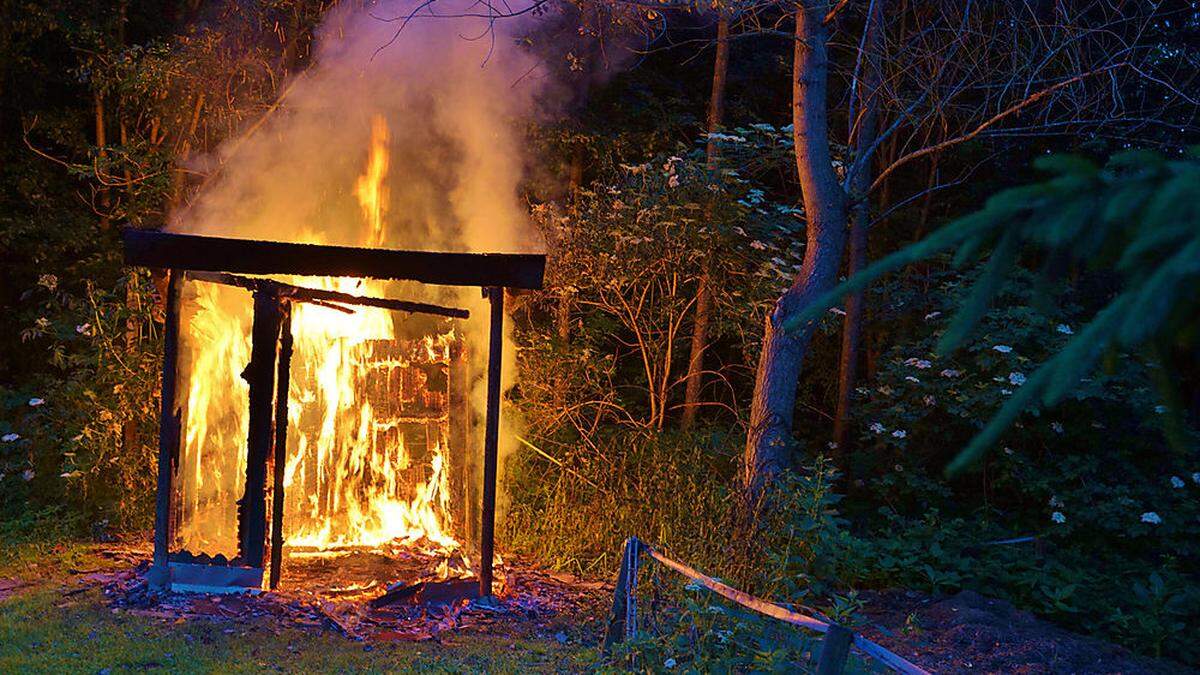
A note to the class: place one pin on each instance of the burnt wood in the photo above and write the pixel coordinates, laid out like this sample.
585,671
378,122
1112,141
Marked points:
326,298
491,437
154,248
260,375
168,432
279,461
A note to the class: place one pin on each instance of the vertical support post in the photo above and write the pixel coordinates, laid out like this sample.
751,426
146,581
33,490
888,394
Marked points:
168,433
491,438
622,623
279,461
260,374
835,648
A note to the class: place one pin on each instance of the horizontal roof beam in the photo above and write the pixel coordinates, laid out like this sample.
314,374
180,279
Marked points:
154,248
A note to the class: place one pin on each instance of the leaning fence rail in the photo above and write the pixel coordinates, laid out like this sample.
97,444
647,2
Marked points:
834,648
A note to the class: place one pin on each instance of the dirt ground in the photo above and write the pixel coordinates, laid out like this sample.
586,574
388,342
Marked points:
970,633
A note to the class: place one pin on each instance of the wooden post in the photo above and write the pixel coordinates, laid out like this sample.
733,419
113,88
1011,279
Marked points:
260,374
491,437
168,434
835,648
622,622
279,461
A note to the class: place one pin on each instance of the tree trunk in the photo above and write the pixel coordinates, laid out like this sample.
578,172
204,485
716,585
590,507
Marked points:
852,325
101,141
562,310
769,438
704,290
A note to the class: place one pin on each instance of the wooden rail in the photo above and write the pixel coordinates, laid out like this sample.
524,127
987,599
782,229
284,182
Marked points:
834,648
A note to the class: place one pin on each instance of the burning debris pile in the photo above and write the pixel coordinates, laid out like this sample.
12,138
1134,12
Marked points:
422,605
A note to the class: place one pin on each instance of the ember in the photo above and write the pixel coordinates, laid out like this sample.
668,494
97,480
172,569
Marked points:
533,602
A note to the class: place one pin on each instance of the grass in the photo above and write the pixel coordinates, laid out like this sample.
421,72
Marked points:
43,631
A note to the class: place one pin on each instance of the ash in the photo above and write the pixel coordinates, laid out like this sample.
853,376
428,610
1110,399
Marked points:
370,596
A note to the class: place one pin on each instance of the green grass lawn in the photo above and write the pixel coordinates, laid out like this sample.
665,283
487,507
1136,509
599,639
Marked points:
42,630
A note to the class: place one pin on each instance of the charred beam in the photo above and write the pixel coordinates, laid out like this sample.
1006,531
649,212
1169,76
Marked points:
279,461
324,297
168,433
153,248
260,375
491,437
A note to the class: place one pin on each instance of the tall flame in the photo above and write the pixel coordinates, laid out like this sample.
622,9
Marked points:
351,478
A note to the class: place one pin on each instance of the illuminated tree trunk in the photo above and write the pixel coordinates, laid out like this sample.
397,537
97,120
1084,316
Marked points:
769,438
864,132
704,289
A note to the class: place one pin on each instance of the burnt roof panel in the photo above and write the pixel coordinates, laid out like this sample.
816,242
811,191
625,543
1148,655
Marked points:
154,248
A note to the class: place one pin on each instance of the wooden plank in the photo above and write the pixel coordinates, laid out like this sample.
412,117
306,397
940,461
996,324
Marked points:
324,297
168,432
153,248
260,375
279,461
491,438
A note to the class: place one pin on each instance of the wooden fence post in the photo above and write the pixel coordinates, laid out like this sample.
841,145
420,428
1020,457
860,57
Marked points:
623,621
835,648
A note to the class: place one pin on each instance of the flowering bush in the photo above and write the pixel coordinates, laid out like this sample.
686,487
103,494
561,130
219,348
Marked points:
1093,477
84,432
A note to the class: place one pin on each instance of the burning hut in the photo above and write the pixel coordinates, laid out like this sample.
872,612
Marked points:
331,419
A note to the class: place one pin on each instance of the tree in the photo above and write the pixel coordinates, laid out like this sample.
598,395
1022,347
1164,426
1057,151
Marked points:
769,437
961,74
702,316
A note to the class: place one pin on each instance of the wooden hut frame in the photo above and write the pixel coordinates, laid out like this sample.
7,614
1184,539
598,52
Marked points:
223,260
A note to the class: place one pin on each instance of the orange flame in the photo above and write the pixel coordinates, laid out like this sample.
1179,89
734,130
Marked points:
351,478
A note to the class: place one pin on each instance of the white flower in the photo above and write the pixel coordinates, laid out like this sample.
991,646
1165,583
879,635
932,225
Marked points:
1016,378
1057,427
876,427
1003,349
669,664
1176,482
899,433
1151,517
28,475
949,372
932,315
758,245
899,468
9,438
1006,392
1058,517
921,364
35,402
1064,329
910,378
